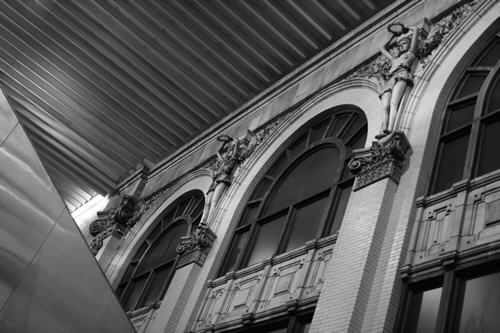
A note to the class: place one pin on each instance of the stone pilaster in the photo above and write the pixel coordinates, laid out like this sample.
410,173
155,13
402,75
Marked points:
350,277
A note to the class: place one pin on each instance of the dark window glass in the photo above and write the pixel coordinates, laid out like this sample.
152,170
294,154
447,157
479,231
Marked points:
235,251
470,84
423,311
490,56
489,156
163,248
427,316
158,280
309,177
299,145
338,124
262,188
156,257
266,243
302,193
481,304
471,108
249,215
318,131
452,162
494,97
306,222
278,166
459,115
134,292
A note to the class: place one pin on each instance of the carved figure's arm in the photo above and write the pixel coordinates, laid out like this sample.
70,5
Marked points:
384,50
236,149
414,39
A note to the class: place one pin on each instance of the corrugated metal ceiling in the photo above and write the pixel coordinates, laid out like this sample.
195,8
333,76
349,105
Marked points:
102,85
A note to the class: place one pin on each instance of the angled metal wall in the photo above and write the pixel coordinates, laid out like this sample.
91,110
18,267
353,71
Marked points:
49,281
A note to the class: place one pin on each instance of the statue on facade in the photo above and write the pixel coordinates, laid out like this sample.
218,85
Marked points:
230,154
401,51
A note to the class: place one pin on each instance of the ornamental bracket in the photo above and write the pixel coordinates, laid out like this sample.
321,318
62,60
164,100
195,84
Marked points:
194,248
384,159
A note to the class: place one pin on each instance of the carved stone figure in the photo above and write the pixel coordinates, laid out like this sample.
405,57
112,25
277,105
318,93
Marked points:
117,220
401,50
232,153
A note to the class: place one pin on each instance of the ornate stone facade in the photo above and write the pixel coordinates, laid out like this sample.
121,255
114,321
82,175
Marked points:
383,159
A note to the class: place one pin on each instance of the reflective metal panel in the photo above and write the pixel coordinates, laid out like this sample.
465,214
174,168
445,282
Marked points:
49,281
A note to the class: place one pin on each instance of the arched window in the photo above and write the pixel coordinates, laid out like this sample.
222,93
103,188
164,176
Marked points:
471,124
147,277
303,195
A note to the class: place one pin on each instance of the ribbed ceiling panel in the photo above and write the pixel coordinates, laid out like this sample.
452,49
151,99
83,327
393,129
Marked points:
102,85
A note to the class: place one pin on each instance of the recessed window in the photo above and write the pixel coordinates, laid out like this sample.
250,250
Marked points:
303,194
147,277
471,124
466,301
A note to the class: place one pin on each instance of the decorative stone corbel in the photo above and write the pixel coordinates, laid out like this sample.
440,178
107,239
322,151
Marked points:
384,159
114,222
194,248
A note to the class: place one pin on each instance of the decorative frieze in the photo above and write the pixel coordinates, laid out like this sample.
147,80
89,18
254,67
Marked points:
384,159
194,248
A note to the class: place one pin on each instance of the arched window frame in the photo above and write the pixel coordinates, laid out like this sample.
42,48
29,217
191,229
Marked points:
472,130
172,217
343,179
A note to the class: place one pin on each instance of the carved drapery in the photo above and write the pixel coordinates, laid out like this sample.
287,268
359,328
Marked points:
384,159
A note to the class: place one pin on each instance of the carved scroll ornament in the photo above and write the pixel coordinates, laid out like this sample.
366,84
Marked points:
384,159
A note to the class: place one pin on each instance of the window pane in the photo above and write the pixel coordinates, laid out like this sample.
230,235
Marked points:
491,56
459,115
359,140
155,286
305,223
481,304
278,166
323,167
298,146
140,252
353,127
342,200
267,240
249,215
312,175
489,158
470,84
429,307
493,103
452,163
134,293
163,249
261,189
318,131
337,125
235,252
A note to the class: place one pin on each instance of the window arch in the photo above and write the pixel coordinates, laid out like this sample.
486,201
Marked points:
147,276
303,195
471,123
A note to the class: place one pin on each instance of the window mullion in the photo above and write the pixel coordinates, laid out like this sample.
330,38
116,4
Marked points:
471,157
286,230
144,289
